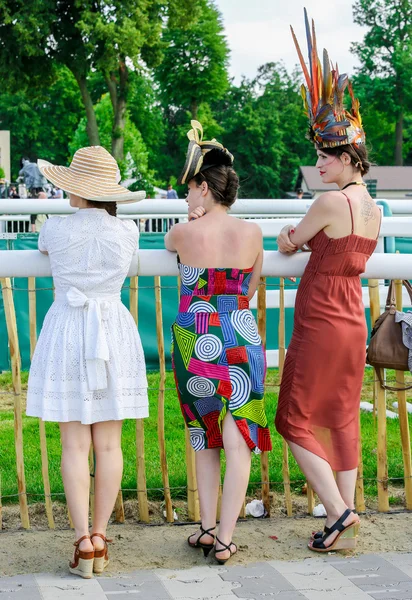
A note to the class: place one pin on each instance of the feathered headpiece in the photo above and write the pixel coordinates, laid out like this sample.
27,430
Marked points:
329,123
202,155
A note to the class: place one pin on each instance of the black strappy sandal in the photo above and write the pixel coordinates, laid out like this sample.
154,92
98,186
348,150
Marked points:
222,561
345,540
198,544
316,535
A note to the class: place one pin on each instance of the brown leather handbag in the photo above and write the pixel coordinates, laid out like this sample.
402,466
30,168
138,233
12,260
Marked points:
386,349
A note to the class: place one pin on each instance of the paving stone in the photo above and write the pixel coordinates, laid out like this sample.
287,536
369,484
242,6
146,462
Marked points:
258,581
21,587
317,576
141,584
391,591
198,583
55,587
401,561
371,567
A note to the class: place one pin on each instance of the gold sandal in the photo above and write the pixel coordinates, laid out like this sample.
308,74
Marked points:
101,557
82,564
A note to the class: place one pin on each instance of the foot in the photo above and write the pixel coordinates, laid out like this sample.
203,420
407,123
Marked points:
98,543
330,521
86,545
223,553
206,538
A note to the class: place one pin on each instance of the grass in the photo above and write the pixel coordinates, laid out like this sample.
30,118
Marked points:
175,446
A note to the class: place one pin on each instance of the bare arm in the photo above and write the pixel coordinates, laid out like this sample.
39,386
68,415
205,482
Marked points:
257,267
318,217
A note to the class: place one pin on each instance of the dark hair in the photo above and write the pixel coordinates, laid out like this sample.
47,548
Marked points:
223,183
110,207
359,155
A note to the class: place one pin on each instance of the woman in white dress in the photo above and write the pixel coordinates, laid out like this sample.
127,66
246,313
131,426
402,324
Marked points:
88,371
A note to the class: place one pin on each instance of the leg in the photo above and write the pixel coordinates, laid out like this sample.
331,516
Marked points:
346,481
76,439
108,474
320,475
238,460
208,480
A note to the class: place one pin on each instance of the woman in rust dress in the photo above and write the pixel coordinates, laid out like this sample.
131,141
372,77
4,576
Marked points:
318,409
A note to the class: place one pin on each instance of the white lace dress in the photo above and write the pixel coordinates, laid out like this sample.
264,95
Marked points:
88,365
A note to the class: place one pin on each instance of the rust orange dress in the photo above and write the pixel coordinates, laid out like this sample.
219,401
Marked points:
319,397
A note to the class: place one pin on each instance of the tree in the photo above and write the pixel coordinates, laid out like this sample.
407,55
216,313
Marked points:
134,165
42,120
194,66
111,36
386,57
264,126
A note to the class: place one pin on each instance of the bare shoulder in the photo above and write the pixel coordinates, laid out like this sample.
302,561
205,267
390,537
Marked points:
330,202
179,229
250,228
329,198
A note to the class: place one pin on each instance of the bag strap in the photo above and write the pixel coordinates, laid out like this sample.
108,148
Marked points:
391,388
408,287
391,297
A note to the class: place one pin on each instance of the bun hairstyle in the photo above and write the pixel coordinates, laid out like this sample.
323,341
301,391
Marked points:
358,155
110,207
220,176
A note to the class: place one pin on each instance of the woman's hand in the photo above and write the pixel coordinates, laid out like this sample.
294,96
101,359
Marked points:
197,213
283,241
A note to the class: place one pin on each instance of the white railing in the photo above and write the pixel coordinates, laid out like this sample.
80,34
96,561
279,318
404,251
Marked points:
31,263
178,208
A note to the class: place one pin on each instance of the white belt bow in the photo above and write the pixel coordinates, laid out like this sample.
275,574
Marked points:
96,350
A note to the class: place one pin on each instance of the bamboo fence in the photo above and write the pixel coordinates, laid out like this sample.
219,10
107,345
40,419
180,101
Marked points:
192,488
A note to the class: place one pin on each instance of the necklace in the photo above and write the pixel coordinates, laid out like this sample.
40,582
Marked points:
353,183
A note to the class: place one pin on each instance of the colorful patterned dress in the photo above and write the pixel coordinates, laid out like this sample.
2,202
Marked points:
218,359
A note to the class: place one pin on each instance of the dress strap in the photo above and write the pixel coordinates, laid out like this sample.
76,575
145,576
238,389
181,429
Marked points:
350,208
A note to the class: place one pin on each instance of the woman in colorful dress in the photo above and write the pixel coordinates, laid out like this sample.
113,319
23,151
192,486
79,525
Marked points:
318,409
218,358
88,370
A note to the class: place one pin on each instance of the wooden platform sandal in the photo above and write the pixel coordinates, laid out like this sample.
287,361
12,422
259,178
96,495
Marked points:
316,535
101,557
82,564
345,540
222,561
198,544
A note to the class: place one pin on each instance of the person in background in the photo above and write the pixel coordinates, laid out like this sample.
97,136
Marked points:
171,193
57,192
13,193
299,193
37,221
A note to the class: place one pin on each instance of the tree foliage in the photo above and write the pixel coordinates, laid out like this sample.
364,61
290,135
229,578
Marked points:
386,58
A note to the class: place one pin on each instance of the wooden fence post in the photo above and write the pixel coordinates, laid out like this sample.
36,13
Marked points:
161,400
383,497
42,425
11,324
403,418
140,453
282,356
264,458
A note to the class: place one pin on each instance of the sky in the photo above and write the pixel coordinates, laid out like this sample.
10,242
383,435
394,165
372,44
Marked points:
258,32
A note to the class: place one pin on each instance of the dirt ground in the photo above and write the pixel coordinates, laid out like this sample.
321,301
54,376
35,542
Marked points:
161,545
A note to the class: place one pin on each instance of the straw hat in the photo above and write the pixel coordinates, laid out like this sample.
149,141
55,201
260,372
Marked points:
92,175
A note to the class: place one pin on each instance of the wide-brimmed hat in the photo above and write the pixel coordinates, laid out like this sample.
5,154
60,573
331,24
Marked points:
93,175
197,152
